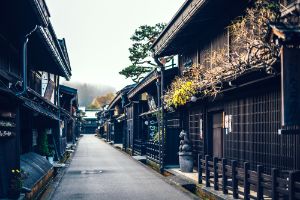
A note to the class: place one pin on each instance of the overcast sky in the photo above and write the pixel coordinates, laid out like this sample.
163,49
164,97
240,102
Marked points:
97,33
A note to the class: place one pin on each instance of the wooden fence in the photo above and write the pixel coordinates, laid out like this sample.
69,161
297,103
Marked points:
139,148
152,151
239,181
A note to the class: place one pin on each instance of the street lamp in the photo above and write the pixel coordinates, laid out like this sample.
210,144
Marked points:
193,99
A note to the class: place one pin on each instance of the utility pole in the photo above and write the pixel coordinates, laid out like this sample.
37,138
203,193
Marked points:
161,124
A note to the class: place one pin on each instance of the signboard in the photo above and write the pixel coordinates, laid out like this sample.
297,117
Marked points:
7,134
201,129
49,90
228,123
290,84
152,128
7,124
151,103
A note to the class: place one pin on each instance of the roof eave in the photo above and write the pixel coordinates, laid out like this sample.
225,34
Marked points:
178,21
41,10
152,76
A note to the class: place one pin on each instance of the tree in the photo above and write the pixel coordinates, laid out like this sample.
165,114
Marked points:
140,51
100,101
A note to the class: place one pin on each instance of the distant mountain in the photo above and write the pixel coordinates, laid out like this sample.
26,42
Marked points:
88,92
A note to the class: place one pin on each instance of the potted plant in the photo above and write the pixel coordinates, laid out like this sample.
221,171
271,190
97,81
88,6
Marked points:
15,184
43,146
51,156
185,153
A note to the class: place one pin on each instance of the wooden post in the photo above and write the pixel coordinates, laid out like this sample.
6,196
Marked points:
224,177
234,180
259,191
246,182
216,176
290,86
207,174
274,184
199,169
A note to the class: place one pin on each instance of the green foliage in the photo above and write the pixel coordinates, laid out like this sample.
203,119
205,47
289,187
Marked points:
43,146
16,183
140,51
134,72
157,137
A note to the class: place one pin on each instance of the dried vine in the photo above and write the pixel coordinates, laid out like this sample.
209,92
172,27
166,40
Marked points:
248,51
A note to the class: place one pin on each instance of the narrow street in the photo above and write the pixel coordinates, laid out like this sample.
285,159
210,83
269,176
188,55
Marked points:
98,171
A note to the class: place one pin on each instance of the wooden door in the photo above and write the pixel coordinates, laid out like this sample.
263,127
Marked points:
217,135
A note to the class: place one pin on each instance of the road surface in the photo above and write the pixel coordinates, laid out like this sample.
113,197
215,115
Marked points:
98,171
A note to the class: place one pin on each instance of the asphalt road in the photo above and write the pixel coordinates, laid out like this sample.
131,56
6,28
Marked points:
98,171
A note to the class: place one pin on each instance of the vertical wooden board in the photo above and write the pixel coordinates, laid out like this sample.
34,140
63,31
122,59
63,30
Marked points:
290,83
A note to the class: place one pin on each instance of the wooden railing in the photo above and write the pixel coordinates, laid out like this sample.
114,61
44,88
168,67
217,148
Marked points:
226,176
152,151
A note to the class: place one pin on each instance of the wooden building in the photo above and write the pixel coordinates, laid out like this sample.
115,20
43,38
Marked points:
243,122
90,122
102,117
143,121
117,122
69,106
32,60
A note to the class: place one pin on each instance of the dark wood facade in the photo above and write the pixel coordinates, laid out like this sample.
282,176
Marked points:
117,124
250,104
26,110
89,124
256,120
143,122
69,106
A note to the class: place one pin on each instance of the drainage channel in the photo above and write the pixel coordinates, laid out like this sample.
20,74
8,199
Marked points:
78,172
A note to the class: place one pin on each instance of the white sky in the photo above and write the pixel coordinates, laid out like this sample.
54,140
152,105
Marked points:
98,33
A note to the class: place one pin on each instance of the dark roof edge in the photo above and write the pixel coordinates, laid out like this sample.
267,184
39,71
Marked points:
68,89
143,83
119,94
41,9
177,14
182,17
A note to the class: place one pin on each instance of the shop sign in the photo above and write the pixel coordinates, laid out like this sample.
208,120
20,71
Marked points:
201,128
151,103
7,124
152,128
228,123
49,90
5,134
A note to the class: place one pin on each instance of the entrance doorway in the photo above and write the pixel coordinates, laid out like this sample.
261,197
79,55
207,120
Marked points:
217,134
